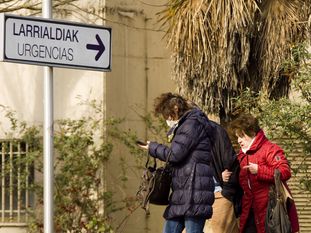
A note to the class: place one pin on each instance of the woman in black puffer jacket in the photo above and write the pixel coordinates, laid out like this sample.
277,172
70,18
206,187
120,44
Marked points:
192,177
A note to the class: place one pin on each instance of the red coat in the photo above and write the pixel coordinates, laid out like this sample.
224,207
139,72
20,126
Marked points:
269,157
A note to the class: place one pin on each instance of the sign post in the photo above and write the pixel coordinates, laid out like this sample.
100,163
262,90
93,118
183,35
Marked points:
47,42
48,138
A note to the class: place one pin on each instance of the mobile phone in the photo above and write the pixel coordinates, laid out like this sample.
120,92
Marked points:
141,143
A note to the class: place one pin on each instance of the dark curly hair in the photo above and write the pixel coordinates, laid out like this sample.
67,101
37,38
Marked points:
165,105
245,123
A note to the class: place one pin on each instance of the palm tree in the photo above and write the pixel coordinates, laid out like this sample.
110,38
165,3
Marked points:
222,47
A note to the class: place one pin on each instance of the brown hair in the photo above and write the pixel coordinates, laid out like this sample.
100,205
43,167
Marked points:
245,123
165,105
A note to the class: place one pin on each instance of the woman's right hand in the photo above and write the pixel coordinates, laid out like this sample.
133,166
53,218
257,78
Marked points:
146,147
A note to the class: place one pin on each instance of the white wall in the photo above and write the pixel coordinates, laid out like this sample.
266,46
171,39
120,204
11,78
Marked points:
22,91
12,230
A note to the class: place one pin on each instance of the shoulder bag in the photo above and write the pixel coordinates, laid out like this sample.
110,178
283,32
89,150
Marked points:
155,185
277,219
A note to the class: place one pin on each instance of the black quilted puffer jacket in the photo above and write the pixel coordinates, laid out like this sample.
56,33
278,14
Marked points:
192,177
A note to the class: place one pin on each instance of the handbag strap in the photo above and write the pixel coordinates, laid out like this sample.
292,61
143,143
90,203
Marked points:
277,182
278,186
168,157
155,161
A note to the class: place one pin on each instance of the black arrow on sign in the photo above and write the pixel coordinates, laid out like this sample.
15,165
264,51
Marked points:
100,47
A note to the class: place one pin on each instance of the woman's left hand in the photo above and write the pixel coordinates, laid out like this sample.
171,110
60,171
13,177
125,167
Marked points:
226,175
252,167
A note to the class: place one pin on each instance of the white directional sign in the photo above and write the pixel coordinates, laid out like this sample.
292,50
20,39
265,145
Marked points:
46,42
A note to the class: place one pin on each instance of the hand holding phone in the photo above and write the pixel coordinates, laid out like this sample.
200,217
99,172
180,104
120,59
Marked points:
141,143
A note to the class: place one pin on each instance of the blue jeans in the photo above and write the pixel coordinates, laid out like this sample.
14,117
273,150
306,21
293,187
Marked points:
192,224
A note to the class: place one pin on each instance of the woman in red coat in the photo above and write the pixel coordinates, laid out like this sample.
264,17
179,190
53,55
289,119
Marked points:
258,159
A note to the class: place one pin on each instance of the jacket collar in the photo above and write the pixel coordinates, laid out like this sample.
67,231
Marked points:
260,139
191,113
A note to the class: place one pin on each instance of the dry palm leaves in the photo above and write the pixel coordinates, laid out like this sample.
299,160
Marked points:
278,30
222,47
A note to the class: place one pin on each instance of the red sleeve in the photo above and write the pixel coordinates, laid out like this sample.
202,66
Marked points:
275,159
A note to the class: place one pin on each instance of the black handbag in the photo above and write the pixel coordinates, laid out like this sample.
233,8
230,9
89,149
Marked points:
155,185
277,219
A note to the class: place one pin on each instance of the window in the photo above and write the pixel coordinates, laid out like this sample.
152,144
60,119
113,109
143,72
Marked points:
17,176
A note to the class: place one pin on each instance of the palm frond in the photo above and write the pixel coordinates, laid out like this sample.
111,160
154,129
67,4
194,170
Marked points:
279,29
206,38
220,48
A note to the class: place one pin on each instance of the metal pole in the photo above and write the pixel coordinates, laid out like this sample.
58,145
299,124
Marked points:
48,163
